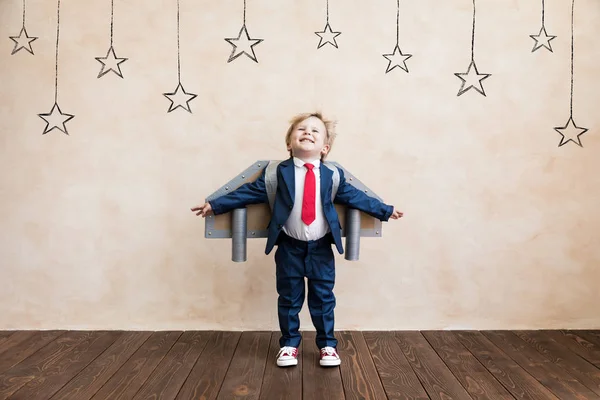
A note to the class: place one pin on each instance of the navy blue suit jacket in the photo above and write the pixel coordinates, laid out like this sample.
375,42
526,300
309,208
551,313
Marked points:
255,192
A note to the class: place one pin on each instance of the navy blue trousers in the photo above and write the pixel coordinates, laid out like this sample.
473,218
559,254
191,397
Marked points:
296,260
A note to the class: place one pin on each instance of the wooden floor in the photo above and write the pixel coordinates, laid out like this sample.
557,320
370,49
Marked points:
445,365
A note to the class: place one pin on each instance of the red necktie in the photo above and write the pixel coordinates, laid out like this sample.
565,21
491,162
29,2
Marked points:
308,202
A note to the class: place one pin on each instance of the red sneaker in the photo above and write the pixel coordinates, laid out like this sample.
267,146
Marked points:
329,357
287,356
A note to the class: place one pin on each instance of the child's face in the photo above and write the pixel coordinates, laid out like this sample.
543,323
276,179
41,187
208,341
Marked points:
308,139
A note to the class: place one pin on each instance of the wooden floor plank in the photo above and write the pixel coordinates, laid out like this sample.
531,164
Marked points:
70,364
435,376
206,377
244,377
473,376
35,365
126,382
8,341
359,375
398,379
558,381
579,368
317,380
590,336
578,345
168,377
281,383
23,344
95,375
4,335
514,378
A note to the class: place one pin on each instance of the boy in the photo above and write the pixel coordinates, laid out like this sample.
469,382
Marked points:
304,224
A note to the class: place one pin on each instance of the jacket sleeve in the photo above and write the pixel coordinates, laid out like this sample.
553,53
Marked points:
352,197
249,193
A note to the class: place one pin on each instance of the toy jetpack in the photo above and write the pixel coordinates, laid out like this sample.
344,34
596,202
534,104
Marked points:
251,221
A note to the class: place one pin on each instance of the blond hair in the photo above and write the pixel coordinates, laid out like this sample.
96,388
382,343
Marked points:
329,129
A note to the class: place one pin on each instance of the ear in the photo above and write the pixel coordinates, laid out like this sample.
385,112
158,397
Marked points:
325,149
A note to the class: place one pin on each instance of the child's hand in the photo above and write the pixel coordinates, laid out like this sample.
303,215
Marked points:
396,214
204,210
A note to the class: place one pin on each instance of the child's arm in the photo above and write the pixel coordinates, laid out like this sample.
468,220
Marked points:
249,193
351,196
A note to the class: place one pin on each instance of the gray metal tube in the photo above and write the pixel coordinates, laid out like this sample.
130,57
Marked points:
239,226
352,234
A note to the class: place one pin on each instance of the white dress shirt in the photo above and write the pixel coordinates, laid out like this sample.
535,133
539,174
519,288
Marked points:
294,226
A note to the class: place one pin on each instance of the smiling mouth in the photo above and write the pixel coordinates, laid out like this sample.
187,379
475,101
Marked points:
306,140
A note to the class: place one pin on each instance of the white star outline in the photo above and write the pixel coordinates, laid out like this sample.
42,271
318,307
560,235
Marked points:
571,132
397,59
179,97
110,63
56,119
243,44
542,39
22,42
471,80
327,36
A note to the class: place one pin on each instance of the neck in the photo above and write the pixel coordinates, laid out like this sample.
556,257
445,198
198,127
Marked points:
307,159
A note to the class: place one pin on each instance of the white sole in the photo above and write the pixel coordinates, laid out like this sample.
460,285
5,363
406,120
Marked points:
287,363
333,363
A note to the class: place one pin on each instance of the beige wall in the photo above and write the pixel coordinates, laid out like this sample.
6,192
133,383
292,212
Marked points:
501,227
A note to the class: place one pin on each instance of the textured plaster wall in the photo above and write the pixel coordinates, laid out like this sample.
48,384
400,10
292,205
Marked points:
501,226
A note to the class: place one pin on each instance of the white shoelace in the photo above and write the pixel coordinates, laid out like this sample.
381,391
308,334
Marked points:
330,351
286,349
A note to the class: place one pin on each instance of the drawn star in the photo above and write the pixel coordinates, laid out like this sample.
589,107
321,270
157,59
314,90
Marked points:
472,79
23,41
243,44
397,59
110,63
56,119
542,39
570,132
180,98
327,36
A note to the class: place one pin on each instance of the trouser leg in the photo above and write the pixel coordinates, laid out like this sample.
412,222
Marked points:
289,263
320,264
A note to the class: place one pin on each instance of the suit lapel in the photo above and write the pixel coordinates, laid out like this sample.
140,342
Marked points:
289,177
326,179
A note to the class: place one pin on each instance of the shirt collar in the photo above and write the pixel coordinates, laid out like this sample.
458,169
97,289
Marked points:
299,163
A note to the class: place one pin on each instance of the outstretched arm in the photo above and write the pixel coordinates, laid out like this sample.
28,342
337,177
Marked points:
249,193
351,196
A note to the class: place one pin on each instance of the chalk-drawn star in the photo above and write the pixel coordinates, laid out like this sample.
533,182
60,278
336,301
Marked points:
327,36
180,98
542,39
570,132
471,79
56,119
243,44
23,41
397,59
110,63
